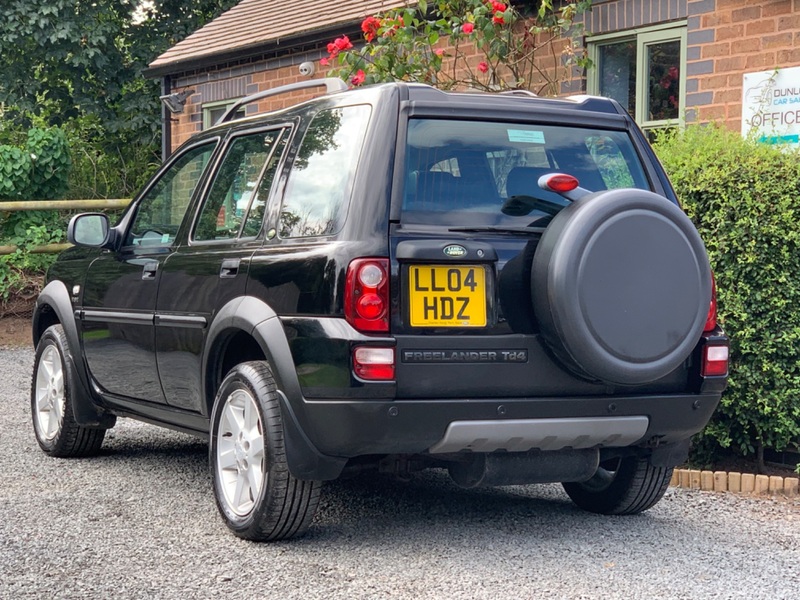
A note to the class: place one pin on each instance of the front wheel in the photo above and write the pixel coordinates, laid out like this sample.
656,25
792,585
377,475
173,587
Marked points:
52,389
621,486
257,496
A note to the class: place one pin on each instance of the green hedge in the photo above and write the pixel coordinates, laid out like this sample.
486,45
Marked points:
744,198
37,169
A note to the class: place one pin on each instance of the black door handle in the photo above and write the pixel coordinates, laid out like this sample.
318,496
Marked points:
229,268
149,270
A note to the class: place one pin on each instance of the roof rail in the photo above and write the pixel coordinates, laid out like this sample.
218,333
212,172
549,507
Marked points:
528,93
331,84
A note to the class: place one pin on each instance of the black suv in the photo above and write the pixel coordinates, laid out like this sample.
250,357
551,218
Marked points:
394,278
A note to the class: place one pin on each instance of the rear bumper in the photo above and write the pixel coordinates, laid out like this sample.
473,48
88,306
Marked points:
347,429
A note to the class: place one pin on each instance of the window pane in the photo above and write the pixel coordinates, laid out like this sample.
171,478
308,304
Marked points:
230,195
492,170
617,71
663,65
161,210
318,189
255,215
214,114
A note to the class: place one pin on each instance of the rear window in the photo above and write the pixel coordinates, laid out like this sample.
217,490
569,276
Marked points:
484,173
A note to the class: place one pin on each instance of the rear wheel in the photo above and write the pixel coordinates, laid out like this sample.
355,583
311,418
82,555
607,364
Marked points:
256,494
52,388
621,486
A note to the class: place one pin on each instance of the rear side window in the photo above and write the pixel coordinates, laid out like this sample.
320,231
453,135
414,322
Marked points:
466,172
240,188
318,190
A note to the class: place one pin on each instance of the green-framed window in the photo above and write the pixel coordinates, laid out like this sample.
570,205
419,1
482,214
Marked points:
212,111
644,70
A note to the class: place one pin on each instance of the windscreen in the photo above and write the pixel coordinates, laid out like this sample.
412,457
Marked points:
486,173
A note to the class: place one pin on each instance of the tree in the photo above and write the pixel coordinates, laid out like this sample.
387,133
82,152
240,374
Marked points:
66,58
79,63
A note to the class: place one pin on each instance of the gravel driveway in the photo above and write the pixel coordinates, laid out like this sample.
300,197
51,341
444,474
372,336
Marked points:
140,522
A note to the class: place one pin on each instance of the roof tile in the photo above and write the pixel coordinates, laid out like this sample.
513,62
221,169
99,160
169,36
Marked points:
254,22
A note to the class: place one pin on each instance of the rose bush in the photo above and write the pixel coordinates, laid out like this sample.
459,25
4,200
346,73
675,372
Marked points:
478,44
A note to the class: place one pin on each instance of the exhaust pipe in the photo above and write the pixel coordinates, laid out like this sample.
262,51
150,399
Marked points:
521,468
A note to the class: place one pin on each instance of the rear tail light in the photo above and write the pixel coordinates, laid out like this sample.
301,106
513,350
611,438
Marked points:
711,319
373,364
366,294
715,361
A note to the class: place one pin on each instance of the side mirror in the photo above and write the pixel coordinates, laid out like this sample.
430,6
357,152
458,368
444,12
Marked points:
90,229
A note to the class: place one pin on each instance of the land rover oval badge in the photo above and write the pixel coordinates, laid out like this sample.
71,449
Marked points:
454,251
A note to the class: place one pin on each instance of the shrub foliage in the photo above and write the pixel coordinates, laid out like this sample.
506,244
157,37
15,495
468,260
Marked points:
37,170
743,197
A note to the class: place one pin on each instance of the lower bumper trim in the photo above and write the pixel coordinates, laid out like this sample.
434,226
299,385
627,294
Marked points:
522,435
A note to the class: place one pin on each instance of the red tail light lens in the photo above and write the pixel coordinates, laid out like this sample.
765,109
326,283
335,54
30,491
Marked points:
561,183
366,294
715,361
711,319
373,364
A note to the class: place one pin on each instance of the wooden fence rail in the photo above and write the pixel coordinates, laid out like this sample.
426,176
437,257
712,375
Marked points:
11,206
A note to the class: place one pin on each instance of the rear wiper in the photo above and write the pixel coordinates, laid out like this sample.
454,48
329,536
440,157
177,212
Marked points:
521,230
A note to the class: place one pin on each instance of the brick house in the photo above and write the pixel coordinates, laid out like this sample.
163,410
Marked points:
665,60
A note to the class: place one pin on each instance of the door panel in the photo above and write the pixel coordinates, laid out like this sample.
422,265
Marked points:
193,287
120,289
118,338
212,268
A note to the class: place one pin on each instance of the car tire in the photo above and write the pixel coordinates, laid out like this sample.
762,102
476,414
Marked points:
621,287
621,486
257,496
52,389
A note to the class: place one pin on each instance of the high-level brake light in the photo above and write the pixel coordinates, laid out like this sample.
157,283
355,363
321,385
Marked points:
560,182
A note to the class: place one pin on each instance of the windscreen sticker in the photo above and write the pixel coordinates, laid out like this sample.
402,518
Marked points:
525,136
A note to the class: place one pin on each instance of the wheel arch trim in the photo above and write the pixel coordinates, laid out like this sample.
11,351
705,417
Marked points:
85,404
261,322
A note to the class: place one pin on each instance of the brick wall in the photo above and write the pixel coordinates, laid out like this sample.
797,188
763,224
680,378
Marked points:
727,38
237,80
251,76
615,15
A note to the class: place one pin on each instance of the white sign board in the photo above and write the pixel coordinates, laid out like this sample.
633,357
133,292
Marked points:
771,106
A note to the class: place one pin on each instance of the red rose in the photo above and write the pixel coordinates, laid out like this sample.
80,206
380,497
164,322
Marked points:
332,49
358,78
498,7
483,67
498,19
370,27
323,62
468,28
342,43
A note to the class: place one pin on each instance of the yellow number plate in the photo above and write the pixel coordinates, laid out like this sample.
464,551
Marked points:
447,296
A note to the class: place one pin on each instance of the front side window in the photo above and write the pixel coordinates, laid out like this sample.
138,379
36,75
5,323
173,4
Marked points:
240,188
318,190
487,173
644,72
161,210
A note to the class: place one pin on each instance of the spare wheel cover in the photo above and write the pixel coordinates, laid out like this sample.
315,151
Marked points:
621,286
